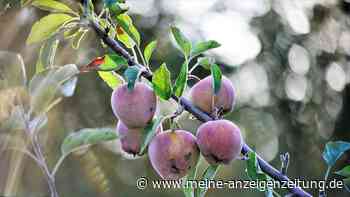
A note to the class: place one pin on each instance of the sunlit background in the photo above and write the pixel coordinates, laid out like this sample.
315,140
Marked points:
289,61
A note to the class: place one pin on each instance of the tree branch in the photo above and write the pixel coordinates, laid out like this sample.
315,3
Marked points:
200,115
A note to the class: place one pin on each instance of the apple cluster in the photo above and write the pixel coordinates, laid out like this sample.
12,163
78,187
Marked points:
174,152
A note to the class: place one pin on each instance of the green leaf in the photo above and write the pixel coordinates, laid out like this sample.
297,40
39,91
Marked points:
191,176
135,34
162,82
109,62
112,62
253,170
255,173
131,74
203,47
88,136
182,41
45,85
51,5
124,38
205,62
334,150
181,81
216,74
112,79
46,27
344,172
149,132
79,36
47,54
126,24
252,166
149,50
208,174
118,8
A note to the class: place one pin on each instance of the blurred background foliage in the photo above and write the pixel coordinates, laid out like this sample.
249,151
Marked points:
289,61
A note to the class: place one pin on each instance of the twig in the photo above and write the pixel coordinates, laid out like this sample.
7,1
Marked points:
28,153
200,115
50,179
41,159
